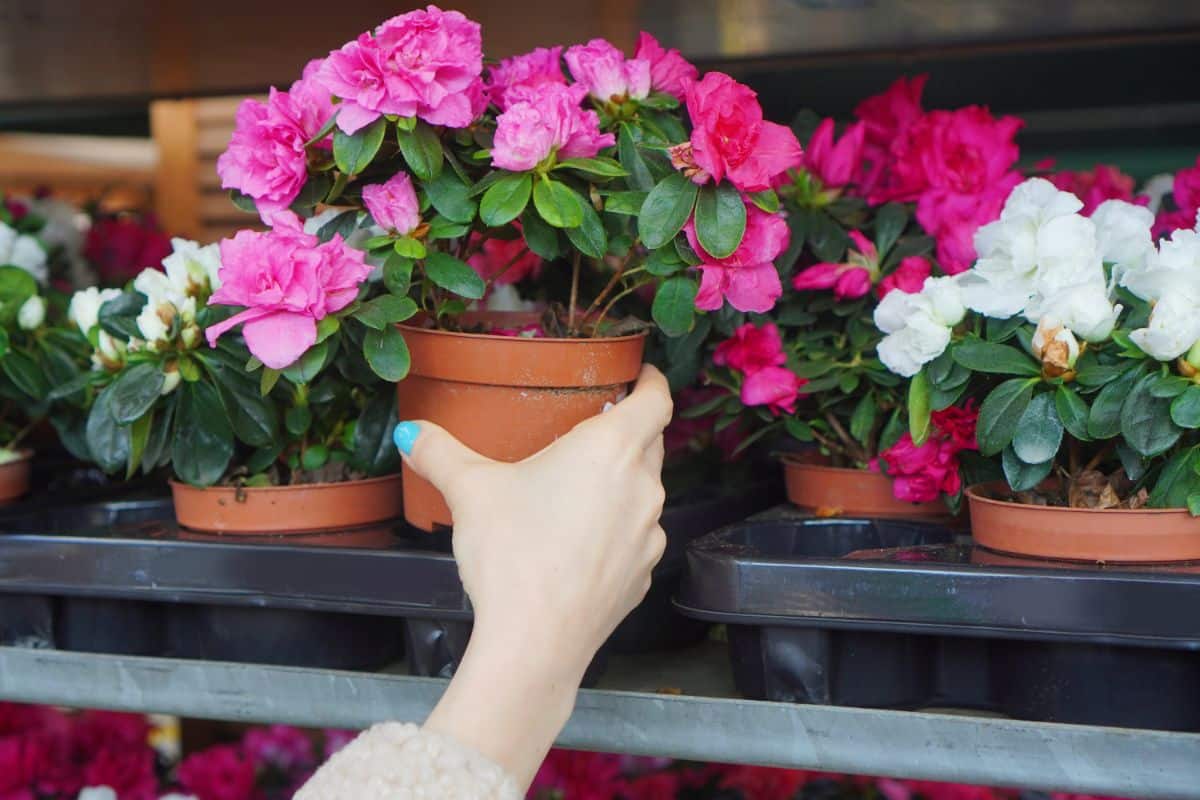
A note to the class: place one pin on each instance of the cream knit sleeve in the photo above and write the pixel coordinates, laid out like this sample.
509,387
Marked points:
401,762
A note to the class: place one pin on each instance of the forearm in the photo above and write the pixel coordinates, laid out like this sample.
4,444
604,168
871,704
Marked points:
510,697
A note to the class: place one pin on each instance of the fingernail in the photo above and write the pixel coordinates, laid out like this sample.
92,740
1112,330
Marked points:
405,436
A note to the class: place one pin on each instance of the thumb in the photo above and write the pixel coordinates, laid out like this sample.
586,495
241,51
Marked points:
433,453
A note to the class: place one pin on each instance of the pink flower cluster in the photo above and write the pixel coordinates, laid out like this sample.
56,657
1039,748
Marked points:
747,278
670,72
604,71
1094,186
425,64
757,353
730,139
1186,197
267,158
957,165
836,162
524,75
850,280
545,122
921,473
393,205
287,281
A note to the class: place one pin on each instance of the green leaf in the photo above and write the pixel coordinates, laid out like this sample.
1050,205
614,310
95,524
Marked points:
1001,330
1073,412
667,208
372,450
314,457
1193,504
353,152
1185,409
408,247
890,222
313,192
600,166
243,202
297,420
107,441
442,228
422,151
1133,464
156,451
1105,420
720,219
505,199
76,384
16,286
999,359
767,200
1146,420
664,262
918,408
862,421
1039,430
309,365
589,238
450,197
203,443
798,429
640,177
267,382
385,310
674,305
826,237
1000,413
1176,480
343,224
118,317
252,418
625,203
387,353
1095,375
1020,475
397,274
540,238
454,275
134,391
1170,386
26,375
559,204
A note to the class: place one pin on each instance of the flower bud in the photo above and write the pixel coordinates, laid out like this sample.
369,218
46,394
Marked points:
1056,347
171,378
190,335
31,313
110,353
154,321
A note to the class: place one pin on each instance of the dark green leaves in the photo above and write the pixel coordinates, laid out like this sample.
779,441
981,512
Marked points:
505,199
385,310
889,224
1185,409
353,152
387,353
372,450
1000,413
134,391
632,161
918,407
674,305
558,203
449,196
720,219
107,441
454,275
599,167
1072,411
1020,475
540,237
1039,431
422,151
1104,422
1000,359
666,209
1177,480
589,237
118,317
203,443
1146,420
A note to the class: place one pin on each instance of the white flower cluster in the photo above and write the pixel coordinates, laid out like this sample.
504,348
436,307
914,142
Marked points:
190,273
1169,278
1044,261
918,325
24,251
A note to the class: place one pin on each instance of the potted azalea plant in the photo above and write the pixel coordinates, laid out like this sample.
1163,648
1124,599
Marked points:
1077,337
628,176
880,209
250,449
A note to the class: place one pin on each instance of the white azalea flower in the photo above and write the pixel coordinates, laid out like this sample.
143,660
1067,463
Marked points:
918,325
1123,235
1174,327
944,296
1084,308
24,251
84,309
913,346
154,321
1174,268
894,310
109,351
32,313
158,288
192,269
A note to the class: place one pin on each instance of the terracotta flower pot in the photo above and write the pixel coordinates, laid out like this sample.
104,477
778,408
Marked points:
287,509
837,491
1145,535
14,478
506,397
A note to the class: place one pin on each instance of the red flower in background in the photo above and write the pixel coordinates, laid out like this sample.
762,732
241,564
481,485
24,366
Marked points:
835,163
921,473
1186,195
885,117
576,776
751,348
121,247
218,773
1093,187
128,772
909,277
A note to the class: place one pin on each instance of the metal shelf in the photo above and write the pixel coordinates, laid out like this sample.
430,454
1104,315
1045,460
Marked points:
704,727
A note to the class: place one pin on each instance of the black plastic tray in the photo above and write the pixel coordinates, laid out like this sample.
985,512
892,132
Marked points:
877,613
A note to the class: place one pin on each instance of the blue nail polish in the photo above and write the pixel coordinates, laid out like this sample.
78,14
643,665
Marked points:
405,436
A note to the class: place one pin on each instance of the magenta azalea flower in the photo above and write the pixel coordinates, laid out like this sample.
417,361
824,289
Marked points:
670,72
747,279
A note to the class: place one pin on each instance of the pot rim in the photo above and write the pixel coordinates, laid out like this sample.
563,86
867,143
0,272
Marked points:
974,496
323,486
793,461
544,340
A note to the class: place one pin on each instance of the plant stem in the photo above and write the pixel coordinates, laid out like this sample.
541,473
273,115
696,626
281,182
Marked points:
611,303
852,448
575,268
520,254
612,283
1096,459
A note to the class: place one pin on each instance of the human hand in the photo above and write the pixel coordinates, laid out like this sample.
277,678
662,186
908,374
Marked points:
554,551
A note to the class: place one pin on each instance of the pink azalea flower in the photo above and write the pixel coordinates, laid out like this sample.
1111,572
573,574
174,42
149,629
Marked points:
505,260
218,773
128,772
606,73
1093,187
953,218
730,138
425,64
751,348
747,279
909,277
1186,194
22,760
886,116
836,164
850,280
94,731
288,281
393,205
546,122
578,775
920,474
670,72
529,71
266,158
957,424
777,388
